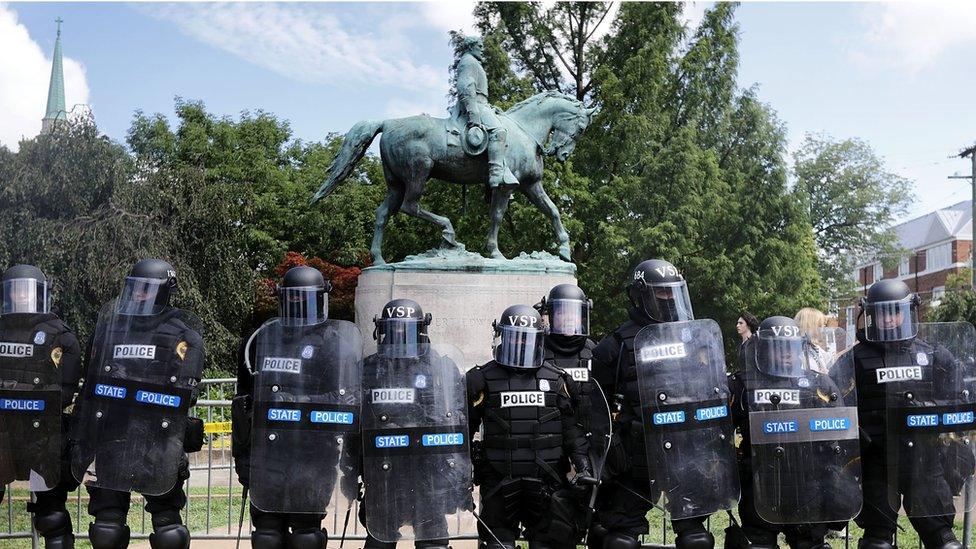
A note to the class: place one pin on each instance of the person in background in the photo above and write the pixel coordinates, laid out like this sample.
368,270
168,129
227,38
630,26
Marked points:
812,323
745,326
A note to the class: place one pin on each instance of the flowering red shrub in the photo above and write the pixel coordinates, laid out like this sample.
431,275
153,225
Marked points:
343,279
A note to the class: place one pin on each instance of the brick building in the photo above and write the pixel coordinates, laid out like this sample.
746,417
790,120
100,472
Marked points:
938,244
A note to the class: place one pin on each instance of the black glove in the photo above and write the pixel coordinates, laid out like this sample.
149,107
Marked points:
193,435
349,485
584,472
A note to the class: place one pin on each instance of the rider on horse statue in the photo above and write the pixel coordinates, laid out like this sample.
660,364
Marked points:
472,93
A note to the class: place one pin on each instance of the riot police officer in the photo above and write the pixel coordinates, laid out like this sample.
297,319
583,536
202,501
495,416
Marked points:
657,293
567,314
528,409
40,370
799,455
296,417
132,428
416,464
893,362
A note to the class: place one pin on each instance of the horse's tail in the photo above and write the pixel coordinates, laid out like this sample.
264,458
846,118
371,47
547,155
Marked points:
353,148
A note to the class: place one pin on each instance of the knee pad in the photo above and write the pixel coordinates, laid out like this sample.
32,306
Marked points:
52,523
173,536
874,543
620,540
108,535
264,538
695,539
308,539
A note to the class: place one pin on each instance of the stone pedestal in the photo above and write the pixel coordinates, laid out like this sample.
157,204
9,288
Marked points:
463,291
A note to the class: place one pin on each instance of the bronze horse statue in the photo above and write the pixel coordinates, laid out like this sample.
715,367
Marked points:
417,148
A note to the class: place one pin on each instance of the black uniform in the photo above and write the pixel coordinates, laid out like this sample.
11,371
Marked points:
757,531
625,497
53,345
530,428
877,517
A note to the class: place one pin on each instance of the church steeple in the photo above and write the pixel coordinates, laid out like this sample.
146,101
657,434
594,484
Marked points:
55,92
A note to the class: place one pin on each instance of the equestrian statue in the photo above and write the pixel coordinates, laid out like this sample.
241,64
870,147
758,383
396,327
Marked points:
477,144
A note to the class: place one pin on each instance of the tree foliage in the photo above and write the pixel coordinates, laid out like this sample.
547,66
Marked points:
851,199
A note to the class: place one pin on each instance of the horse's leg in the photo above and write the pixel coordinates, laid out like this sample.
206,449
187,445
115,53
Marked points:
388,208
411,206
537,196
499,203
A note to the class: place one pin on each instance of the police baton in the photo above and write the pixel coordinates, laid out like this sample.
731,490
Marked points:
240,522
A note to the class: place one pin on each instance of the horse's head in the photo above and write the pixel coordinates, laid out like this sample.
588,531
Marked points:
570,118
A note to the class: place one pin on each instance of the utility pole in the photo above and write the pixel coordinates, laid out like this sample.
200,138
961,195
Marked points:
971,153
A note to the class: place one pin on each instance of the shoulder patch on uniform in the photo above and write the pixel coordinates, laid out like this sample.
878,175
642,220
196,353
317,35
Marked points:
56,354
181,348
40,337
480,399
543,384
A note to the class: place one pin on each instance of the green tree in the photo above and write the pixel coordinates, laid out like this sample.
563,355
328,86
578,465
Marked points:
851,199
679,164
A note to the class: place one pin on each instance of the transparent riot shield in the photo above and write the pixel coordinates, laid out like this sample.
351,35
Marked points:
30,404
304,436
132,413
930,386
687,428
803,434
416,464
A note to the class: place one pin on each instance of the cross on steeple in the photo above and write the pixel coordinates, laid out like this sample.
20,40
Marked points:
59,21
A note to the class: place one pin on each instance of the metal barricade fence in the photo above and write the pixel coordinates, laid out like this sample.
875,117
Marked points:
214,496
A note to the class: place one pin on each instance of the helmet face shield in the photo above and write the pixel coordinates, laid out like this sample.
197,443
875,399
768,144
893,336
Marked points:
303,306
400,337
781,353
569,317
666,302
143,296
890,320
519,347
25,295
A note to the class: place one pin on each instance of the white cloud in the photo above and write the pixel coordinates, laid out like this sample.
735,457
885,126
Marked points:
448,16
25,73
307,43
693,13
400,108
911,36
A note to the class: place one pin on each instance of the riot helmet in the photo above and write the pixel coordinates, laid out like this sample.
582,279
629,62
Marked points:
519,337
890,311
148,288
401,329
25,290
303,297
659,291
567,310
780,349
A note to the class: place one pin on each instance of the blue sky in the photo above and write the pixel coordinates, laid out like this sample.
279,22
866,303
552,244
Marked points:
896,75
